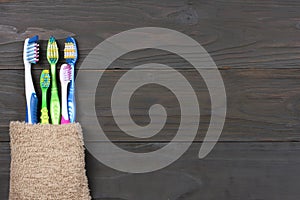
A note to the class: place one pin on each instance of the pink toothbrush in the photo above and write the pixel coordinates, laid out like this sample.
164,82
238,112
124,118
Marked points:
65,77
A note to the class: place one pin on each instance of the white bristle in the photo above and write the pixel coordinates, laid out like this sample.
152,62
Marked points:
32,53
65,73
70,51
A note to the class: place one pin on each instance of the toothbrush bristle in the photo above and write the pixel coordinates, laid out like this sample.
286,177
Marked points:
70,51
45,79
65,73
52,50
32,50
52,39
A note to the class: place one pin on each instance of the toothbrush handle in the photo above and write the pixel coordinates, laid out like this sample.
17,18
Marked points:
26,119
32,110
71,97
64,109
54,106
44,116
44,110
54,100
64,121
31,98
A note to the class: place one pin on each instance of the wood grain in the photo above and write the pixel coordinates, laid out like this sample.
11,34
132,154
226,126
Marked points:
254,44
231,171
237,34
262,104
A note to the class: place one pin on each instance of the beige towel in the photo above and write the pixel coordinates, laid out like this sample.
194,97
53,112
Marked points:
47,162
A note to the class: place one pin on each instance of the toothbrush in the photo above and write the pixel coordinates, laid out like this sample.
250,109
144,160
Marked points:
65,77
30,56
71,54
52,57
44,83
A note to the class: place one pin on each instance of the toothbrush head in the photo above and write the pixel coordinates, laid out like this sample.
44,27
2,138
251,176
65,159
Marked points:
31,50
70,51
45,79
65,73
52,51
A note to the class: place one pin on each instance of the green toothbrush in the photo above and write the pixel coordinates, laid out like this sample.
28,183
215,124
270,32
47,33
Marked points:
52,57
44,83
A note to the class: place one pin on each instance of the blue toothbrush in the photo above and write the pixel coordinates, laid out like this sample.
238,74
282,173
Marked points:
70,54
30,56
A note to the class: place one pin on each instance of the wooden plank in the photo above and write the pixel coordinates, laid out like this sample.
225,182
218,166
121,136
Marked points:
253,42
232,171
262,104
4,169
256,35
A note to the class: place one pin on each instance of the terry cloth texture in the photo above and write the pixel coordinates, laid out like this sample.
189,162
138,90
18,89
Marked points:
47,162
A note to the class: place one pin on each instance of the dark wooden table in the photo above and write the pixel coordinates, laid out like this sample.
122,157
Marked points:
256,46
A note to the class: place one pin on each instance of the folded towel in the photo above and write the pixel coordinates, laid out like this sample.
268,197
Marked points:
47,162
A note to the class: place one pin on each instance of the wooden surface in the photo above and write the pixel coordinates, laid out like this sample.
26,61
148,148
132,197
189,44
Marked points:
254,44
